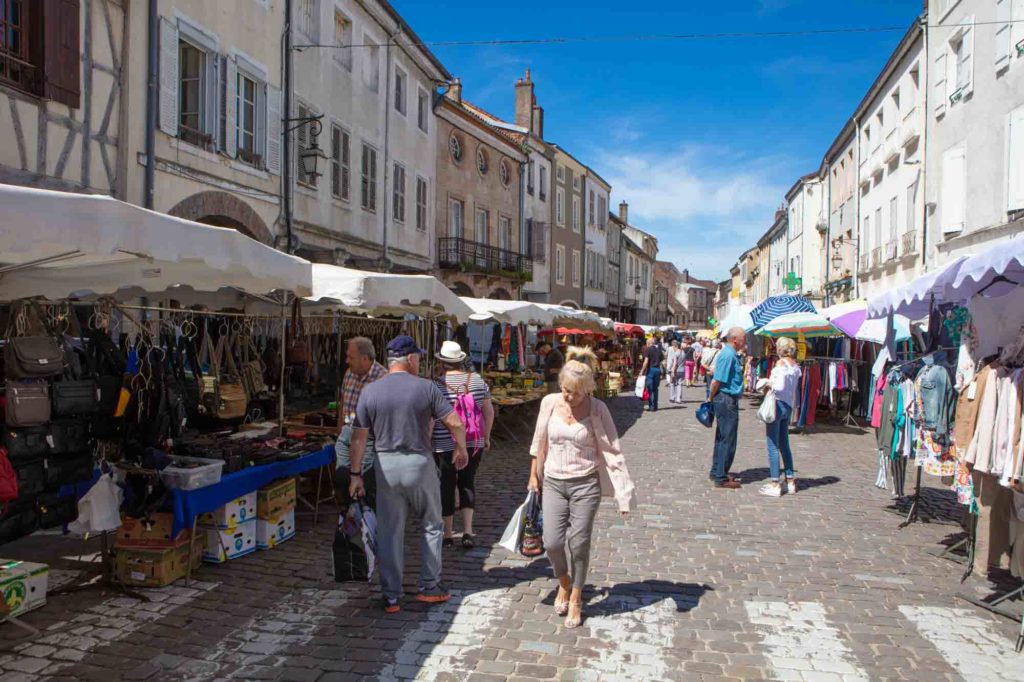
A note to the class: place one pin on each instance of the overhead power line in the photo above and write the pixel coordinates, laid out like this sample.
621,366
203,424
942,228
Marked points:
730,35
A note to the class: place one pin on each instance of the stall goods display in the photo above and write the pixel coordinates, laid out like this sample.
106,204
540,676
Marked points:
237,453
515,388
273,531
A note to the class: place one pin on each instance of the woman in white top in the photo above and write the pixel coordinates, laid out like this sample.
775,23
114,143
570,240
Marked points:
577,461
674,365
784,381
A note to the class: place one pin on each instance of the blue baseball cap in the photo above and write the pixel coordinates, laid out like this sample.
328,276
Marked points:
403,345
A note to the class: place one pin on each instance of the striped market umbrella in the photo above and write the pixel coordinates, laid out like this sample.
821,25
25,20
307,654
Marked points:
796,325
774,306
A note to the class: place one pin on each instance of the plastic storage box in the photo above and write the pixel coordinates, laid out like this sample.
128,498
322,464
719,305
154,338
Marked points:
190,473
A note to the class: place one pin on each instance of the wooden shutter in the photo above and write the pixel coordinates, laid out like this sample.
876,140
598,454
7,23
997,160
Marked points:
1015,160
274,130
1003,33
939,89
953,189
62,63
168,77
230,107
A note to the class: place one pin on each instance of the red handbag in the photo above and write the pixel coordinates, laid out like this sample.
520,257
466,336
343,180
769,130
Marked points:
8,479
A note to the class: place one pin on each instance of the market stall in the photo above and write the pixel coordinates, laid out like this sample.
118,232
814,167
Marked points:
112,371
964,402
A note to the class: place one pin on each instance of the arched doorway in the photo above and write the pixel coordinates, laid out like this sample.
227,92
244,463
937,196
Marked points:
223,210
461,289
500,294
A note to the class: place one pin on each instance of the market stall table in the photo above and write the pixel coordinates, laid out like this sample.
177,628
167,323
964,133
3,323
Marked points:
520,412
190,504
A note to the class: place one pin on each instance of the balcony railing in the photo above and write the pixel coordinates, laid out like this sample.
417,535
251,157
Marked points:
908,243
864,262
456,253
876,256
890,250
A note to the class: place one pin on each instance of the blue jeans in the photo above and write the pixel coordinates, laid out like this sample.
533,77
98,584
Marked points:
778,441
708,378
727,421
653,382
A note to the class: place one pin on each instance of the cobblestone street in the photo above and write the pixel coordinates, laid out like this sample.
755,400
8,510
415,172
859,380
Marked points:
699,584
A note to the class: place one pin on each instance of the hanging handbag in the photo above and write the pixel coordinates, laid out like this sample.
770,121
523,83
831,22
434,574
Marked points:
767,411
19,520
233,401
209,380
31,479
68,470
28,404
8,479
26,444
252,368
78,396
297,350
69,436
33,356
56,511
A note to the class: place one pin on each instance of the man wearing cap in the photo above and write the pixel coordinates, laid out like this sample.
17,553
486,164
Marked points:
399,410
553,362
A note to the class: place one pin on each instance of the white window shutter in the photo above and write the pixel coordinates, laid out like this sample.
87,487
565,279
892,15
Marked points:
168,77
260,139
953,202
968,61
1003,33
939,90
230,107
1015,160
274,130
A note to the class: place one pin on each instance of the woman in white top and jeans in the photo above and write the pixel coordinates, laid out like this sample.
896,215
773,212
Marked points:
784,381
577,461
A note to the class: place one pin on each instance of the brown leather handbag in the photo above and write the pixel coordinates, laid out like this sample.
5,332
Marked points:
232,399
297,350
28,404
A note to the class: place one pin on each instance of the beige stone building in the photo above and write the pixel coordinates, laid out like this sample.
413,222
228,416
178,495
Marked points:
567,238
478,203
62,96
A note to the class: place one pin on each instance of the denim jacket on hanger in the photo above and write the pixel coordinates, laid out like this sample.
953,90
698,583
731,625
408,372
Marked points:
936,398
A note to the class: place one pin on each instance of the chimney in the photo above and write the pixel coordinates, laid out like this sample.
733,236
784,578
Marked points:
624,213
525,102
455,91
538,122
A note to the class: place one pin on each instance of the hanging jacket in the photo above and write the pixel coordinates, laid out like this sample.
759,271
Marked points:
937,398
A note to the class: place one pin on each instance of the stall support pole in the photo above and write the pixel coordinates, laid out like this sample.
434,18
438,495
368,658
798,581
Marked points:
912,512
280,385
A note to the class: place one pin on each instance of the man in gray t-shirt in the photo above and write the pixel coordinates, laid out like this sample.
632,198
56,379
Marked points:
400,410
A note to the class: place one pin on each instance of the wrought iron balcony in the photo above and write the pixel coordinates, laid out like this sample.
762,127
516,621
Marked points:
908,243
456,253
876,257
864,262
890,250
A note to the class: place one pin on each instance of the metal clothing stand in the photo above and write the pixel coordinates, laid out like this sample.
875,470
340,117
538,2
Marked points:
967,545
993,606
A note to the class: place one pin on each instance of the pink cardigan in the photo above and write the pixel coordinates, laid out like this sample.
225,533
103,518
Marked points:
615,480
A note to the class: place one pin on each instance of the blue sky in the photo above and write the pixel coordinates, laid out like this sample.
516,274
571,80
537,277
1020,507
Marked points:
701,137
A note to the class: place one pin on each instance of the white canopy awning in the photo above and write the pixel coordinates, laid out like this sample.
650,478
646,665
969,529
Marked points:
60,245
913,300
382,293
992,273
573,317
511,312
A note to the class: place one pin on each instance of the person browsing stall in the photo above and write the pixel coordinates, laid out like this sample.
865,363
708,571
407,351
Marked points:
398,410
363,370
553,362
654,358
455,381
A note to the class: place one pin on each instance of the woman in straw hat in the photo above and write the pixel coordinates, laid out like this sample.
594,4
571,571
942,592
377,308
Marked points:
577,460
456,380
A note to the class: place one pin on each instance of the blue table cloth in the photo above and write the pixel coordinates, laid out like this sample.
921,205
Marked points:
189,504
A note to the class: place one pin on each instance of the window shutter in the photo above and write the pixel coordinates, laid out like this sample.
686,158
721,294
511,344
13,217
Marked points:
274,130
952,200
168,77
968,60
939,93
1003,32
62,69
230,107
1015,160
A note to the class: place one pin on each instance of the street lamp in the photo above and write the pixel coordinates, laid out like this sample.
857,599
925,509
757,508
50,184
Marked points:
309,158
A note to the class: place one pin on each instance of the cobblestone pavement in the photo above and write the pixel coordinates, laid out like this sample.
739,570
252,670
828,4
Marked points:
698,584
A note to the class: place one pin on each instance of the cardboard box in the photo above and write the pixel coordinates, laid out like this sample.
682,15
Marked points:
153,532
231,514
225,544
155,567
275,499
23,585
274,531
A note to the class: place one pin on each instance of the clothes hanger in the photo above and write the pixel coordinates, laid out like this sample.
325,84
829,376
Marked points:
998,279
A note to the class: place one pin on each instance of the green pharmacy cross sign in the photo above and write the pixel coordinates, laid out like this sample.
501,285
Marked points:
792,282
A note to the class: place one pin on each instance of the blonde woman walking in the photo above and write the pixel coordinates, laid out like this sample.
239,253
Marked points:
577,460
784,381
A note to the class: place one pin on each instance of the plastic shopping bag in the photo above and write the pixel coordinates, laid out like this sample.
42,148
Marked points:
641,386
513,535
98,510
766,412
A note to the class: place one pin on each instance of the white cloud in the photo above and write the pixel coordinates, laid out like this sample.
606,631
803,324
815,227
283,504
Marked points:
704,204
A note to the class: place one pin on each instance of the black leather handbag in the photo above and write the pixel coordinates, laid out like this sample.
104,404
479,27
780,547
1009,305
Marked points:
55,511
67,470
69,436
31,478
75,396
26,444
21,519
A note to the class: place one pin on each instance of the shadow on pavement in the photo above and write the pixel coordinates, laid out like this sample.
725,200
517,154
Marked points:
750,476
627,597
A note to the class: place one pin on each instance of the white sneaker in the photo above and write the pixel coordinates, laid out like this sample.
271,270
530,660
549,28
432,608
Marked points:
771,489
791,486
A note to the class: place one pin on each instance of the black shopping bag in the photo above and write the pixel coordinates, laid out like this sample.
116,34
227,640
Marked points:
354,548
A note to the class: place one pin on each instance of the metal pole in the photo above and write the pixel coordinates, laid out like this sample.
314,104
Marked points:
286,174
280,386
